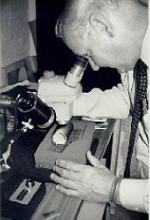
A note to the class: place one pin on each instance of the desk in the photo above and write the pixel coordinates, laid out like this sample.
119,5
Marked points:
71,208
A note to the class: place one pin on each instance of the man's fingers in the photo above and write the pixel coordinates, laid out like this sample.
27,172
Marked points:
66,183
69,165
69,192
67,174
93,160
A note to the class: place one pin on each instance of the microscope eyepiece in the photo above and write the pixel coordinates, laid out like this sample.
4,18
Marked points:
74,76
81,61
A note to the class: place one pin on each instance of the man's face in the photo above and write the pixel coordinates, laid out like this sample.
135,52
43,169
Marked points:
103,51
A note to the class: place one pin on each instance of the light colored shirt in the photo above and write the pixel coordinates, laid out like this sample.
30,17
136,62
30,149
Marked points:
116,103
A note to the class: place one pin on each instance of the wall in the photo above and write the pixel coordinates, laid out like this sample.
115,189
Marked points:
16,39
32,19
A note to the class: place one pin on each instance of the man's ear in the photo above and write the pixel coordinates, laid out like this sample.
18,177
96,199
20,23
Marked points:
101,23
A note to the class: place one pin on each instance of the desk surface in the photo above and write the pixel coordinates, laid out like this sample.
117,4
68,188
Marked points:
70,207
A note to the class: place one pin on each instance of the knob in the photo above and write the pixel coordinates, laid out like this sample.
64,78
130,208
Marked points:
48,74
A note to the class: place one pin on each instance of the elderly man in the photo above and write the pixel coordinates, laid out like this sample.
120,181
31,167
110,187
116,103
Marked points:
109,33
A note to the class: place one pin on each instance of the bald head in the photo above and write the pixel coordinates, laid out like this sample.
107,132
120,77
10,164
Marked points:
77,12
104,30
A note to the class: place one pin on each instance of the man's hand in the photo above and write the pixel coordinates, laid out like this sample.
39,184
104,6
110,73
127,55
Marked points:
92,183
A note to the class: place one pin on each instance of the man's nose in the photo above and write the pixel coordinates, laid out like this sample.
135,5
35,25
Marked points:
94,66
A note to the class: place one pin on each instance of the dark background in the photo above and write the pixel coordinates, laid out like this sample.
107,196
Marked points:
53,54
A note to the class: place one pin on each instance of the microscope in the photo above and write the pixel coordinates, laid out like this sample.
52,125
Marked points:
59,92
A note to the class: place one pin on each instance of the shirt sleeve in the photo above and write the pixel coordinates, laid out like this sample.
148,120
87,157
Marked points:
113,103
134,194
